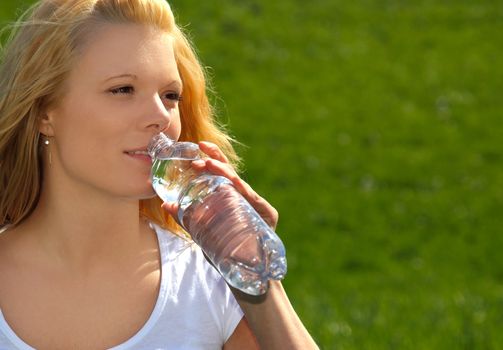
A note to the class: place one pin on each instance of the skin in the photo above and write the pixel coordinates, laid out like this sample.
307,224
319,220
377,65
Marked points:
84,245
272,320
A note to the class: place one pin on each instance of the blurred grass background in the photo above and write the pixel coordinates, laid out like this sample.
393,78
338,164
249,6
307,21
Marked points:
375,128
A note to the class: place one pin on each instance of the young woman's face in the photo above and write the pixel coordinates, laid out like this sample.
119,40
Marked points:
124,89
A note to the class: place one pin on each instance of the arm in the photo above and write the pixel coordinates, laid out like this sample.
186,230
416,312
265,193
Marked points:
273,320
242,338
270,322
269,319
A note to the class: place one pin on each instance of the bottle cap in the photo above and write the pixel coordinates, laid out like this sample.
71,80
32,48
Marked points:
159,144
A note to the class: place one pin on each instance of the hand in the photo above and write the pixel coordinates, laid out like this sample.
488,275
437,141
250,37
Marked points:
218,164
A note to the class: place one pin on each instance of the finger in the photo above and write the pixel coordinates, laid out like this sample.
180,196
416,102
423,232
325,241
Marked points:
171,208
262,206
259,203
223,169
265,210
213,151
199,165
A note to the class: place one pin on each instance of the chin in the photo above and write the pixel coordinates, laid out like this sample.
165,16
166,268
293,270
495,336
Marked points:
148,196
146,193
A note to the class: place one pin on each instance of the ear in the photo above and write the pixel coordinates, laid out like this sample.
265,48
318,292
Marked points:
46,122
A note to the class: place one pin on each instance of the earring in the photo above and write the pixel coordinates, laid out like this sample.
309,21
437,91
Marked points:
46,142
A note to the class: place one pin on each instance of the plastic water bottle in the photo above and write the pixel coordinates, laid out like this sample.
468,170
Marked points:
237,241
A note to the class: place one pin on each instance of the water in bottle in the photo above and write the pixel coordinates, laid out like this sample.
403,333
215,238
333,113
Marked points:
238,242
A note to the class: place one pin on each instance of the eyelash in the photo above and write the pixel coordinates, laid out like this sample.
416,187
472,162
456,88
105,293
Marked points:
173,96
121,90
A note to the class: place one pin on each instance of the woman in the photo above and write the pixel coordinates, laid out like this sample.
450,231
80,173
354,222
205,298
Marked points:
88,258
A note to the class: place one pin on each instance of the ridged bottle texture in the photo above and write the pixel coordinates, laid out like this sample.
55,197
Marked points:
237,241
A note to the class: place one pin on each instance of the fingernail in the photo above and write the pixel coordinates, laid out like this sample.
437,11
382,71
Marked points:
198,162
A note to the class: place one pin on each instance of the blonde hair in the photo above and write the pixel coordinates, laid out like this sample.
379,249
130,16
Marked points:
42,48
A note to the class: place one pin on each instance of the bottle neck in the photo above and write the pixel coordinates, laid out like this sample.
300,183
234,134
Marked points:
159,144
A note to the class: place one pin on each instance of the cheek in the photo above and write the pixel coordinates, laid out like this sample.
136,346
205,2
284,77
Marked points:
79,147
85,133
175,127
89,118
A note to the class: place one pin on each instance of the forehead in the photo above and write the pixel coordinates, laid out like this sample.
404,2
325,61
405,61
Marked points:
117,48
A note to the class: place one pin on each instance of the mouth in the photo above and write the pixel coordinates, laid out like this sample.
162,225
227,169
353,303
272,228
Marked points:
140,155
137,153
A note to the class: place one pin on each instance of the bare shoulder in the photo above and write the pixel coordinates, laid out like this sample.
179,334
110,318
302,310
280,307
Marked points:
12,271
8,243
50,304
20,269
12,255
12,247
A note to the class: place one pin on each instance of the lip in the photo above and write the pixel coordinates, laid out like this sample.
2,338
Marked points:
139,149
144,156
141,157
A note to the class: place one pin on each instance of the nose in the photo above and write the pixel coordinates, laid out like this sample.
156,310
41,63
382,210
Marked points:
157,116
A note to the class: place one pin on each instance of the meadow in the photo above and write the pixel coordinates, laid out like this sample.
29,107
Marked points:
374,127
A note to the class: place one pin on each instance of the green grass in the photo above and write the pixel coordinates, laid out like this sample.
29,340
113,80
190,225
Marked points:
375,128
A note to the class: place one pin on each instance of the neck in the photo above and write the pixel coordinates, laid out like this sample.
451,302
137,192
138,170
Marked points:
84,228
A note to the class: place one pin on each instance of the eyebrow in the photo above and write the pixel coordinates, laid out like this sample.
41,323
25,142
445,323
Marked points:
135,77
176,83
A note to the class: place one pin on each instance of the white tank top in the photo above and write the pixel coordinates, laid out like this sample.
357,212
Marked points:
195,308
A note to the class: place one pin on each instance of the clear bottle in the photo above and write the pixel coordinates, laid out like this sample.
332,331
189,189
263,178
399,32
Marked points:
238,242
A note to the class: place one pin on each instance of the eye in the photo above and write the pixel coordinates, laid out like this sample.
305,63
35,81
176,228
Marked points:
122,90
173,96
